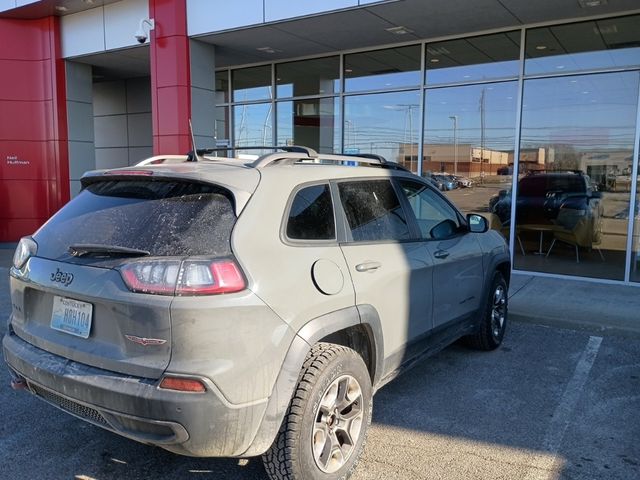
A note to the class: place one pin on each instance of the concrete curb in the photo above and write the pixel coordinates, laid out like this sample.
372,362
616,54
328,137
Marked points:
602,309
578,325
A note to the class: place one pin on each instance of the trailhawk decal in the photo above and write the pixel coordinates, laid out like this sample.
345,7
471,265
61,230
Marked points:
145,341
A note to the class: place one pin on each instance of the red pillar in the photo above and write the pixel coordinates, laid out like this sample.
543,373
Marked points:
34,164
170,78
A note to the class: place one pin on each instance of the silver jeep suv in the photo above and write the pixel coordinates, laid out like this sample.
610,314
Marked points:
227,307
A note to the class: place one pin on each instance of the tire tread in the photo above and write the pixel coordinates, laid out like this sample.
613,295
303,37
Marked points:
279,459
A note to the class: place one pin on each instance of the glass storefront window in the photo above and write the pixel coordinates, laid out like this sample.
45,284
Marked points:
252,84
320,76
635,243
470,133
610,43
221,128
253,125
222,87
485,57
313,123
386,124
382,69
577,144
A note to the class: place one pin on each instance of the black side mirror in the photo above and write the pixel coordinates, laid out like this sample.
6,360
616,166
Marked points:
477,223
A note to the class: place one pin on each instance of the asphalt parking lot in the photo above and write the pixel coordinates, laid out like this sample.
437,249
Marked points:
549,404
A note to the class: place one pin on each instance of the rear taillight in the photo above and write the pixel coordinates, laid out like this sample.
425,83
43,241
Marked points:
152,276
188,277
26,248
208,278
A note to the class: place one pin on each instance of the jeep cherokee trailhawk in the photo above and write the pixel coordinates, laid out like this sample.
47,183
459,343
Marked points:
224,307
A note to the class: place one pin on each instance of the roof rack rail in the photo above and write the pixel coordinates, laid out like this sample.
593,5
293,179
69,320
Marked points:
310,152
291,155
290,158
384,163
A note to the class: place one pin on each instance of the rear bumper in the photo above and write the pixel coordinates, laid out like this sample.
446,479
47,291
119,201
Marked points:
194,424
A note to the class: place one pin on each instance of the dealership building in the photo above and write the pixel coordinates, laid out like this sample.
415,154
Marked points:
537,103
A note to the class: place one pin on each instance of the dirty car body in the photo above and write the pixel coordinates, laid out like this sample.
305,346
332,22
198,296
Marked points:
176,302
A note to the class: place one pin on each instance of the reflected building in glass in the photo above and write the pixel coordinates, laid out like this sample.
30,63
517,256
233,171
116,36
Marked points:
535,128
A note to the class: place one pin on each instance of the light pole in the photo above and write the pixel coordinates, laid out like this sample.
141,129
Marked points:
482,124
455,143
408,127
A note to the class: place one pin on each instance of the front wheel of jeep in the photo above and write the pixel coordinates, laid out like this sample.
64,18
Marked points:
494,318
324,431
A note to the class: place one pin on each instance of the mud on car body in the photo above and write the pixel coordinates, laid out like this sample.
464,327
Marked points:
228,307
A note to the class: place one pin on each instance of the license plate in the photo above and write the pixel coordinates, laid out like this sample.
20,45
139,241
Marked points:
71,316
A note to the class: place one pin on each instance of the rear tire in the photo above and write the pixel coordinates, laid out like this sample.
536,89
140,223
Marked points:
324,431
494,317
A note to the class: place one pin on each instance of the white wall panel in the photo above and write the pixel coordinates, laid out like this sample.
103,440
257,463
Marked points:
121,20
81,158
79,78
204,16
203,104
202,57
79,122
280,9
112,157
83,32
109,98
139,95
137,154
79,115
102,28
139,130
122,122
111,131
75,187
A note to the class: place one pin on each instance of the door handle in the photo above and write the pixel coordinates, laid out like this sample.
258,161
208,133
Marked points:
368,266
441,254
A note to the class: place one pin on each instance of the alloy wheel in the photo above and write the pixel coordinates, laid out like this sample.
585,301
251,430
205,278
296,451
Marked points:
338,424
498,310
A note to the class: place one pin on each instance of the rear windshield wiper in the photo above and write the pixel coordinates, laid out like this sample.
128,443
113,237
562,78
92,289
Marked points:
97,250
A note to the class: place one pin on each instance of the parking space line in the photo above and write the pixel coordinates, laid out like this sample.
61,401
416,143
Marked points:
542,466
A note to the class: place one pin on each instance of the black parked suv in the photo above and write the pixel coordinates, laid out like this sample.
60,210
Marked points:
541,195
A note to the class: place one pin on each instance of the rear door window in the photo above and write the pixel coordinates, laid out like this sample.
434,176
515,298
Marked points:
311,214
166,218
373,211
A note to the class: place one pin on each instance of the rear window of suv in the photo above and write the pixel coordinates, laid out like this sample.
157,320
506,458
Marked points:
539,185
166,218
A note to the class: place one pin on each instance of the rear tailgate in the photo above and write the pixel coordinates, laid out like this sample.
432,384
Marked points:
71,299
114,312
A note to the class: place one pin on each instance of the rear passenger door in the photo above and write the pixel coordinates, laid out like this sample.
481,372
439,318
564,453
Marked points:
457,272
391,271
